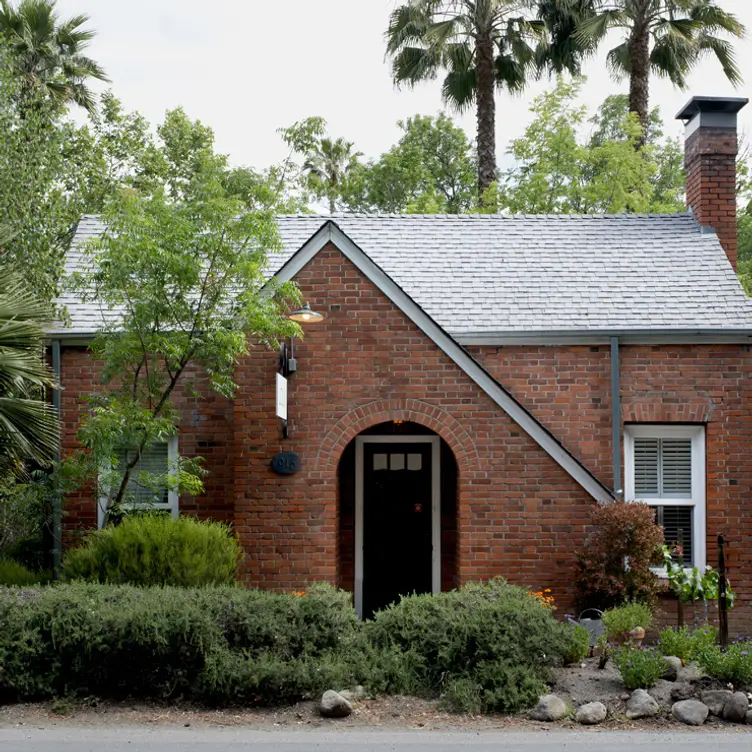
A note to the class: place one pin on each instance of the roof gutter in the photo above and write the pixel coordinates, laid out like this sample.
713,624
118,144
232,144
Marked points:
604,337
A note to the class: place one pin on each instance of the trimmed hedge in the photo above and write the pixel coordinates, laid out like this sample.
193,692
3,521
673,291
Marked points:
155,549
482,647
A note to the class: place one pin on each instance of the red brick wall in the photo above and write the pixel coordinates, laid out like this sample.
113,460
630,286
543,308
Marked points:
519,514
568,389
710,163
205,431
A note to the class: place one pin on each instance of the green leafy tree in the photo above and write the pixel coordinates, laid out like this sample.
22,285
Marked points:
558,170
431,169
665,37
483,45
40,154
48,54
28,424
181,267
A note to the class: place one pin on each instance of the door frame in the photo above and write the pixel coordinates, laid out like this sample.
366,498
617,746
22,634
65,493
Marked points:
435,442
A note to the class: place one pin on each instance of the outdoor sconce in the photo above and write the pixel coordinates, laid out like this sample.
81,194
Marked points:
287,363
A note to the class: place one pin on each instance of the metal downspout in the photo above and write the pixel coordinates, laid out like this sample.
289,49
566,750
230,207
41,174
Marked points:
616,417
57,504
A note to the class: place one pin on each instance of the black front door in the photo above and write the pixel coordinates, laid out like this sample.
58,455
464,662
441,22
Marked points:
397,545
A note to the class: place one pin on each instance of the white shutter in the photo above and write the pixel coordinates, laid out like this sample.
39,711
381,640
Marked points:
154,461
646,468
676,475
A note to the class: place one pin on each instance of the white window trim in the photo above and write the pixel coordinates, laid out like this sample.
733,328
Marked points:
697,500
173,497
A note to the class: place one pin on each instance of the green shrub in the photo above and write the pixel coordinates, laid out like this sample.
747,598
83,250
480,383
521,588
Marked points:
733,665
208,644
640,668
484,646
13,573
580,645
687,644
155,549
623,619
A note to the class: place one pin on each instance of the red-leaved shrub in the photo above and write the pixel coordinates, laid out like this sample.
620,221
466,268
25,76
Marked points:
613,567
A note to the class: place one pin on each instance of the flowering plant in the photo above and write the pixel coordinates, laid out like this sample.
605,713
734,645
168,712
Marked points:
544,596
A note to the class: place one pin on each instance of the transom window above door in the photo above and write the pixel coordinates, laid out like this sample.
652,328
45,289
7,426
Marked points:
665,469
398,461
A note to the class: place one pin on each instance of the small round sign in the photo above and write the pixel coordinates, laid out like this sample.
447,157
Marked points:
286,463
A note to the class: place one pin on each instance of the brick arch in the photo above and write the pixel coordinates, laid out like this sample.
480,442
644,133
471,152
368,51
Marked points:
382,411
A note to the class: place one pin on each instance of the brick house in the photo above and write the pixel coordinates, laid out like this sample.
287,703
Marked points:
477,384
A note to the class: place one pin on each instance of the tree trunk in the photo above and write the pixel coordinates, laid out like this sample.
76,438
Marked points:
486,111
639,76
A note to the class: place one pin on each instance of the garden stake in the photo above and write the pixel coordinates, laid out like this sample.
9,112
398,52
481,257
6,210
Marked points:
722,604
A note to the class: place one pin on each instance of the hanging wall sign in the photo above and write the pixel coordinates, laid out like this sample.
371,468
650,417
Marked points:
286,463
281,397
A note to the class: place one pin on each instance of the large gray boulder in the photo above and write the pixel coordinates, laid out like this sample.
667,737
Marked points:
333,705
673,667
691,712
682,691
736,708
549,708
715,699
592,713
641,705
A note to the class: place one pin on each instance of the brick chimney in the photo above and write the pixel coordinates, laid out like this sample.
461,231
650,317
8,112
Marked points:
710,161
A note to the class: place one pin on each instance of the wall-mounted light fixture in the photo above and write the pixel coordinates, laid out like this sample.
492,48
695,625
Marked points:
287,363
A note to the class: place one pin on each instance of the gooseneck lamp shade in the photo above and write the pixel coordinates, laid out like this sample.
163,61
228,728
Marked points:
305,315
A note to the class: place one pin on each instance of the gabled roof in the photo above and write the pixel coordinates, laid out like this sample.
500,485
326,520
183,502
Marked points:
331,233
485,276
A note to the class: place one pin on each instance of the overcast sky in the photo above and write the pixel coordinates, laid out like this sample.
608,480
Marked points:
249,67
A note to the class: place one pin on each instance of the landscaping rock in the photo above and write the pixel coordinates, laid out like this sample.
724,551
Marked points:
641,705
715,699
549,708
736,708
749,717
683,691
673,667
691,712
592,713
333,705
356,694
690,673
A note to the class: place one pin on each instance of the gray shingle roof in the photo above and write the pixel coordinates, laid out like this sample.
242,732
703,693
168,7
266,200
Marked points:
496,274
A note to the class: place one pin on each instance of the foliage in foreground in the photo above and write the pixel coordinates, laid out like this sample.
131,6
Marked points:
13,573
619,532
687,644
154,549
623,619
640,668
484,646
731,666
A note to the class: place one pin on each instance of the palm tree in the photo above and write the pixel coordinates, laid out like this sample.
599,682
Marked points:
481,44
666,37
47,52
328,166
28,424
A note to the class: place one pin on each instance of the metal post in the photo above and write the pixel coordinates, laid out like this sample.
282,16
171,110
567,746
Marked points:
616,415
57,503
722,603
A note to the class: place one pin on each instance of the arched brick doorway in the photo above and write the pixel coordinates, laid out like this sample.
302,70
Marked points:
397,514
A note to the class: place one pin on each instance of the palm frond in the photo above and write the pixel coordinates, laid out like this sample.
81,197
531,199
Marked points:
414,64
672,58
591,30
618,61
28,430
725,54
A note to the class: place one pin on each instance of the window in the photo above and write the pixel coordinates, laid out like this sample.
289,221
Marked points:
665,468
158,459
